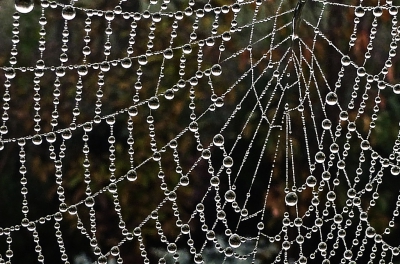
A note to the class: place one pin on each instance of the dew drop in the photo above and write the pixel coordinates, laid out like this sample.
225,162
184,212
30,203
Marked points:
395,170
359,11
37,139
153,103
68,12
218,140
214,181
377,11
24,6
168,54
206,154
364,145
102,260
361,72
126,63
351,193
311,181
185,229
51,137
331,196
198,258
234,241
228,162
169,94
331,98
115,251
9,73
193,126
89,201
184,181
172,248
320,157
230,196
187,49
346,60
370,232
322,246
326,124
291,199
216,70
82,70
142,60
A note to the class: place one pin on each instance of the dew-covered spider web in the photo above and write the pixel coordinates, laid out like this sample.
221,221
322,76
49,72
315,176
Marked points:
195,131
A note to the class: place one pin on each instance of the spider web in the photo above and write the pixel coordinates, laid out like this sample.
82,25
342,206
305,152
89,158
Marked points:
232,131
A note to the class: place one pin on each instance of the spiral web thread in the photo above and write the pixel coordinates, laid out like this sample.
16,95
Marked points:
274,90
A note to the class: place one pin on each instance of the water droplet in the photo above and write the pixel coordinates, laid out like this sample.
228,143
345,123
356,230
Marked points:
344,115
361,72
198,258
66,134
365,145
291,199
142,60
9,73
89,201
228,162
172,248
68,12
102,260
187,49
359,11
133,111
326,124
230,196
320,157
154,103
185,229
115,251
126,63
51,137
9,253
210,235
322,246
172,196
286,245
72,210
37,139
351,193
216,70
370,232
377,11
131,175
395,170
214,181
234,241
168,54
331,196
346,60
311,181
218,140
326,175
302,260
393,10
169,94
184,181
331,98
193,126
341,164
206,154
24,6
